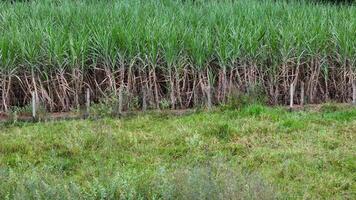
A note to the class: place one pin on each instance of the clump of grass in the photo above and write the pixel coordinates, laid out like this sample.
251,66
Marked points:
254,110
105,108
329,107
238,100
220,131
213,181
346,115
292,125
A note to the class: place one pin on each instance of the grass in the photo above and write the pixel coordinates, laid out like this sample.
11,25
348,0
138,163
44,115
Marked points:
255,152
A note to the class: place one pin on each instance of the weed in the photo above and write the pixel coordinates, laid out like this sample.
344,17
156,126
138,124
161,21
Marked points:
212,181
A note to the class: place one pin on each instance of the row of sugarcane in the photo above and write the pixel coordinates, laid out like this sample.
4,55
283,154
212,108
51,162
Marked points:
181,53
144,87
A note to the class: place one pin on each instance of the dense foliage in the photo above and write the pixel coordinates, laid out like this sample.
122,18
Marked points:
57,48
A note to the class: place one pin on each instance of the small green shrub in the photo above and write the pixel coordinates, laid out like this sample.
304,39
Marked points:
133,103
16,112
164,104
106,107
26,111
238,100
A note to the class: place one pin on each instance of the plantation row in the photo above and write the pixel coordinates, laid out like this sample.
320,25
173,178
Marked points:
176,53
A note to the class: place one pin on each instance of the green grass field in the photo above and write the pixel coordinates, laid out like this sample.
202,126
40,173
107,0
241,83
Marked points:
253,153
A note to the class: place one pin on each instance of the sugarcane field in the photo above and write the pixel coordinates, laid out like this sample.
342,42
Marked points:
178,99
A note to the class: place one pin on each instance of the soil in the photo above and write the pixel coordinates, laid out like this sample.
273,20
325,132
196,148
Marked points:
4,117
28,117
